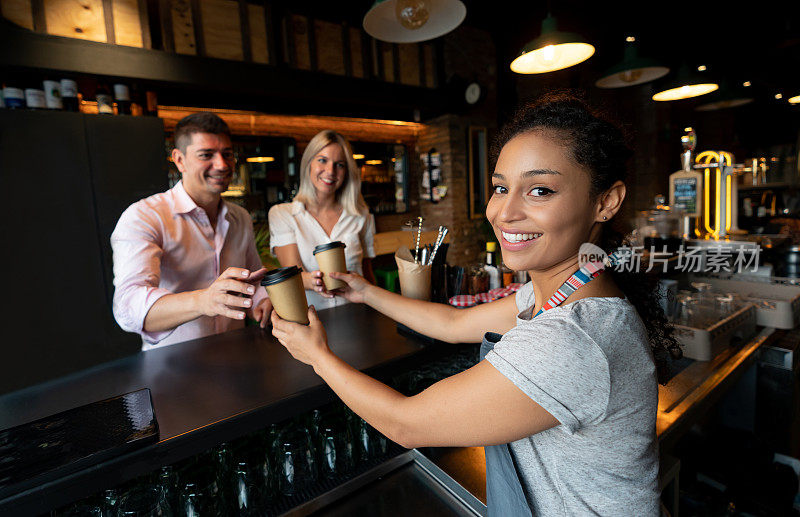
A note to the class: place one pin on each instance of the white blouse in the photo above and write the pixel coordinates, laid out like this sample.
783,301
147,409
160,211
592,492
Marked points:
290,223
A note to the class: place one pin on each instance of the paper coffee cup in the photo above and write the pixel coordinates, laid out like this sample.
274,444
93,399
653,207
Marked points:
415,279
285,288
330,258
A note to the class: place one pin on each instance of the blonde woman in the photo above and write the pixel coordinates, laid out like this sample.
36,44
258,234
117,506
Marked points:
328,207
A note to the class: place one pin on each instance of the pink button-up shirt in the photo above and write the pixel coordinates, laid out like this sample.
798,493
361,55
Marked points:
165,244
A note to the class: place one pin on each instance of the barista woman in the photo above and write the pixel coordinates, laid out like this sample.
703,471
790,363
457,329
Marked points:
565,399
328,207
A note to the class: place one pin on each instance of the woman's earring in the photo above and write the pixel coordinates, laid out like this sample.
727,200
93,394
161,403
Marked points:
604,218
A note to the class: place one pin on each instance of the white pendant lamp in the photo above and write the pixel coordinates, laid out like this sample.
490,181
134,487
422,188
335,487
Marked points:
685,86
410,21
632,70
552,50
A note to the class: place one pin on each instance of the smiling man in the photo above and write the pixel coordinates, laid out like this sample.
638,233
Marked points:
185,261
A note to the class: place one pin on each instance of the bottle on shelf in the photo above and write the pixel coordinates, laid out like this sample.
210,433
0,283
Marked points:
69,94
105,103
122,96
137,101
34,96
52,94
490,266
151,104
13,95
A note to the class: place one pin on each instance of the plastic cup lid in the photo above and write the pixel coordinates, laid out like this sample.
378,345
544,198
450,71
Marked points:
277,276
328,246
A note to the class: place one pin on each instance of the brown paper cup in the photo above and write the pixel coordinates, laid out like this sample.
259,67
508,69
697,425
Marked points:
285,289
415,279
331,260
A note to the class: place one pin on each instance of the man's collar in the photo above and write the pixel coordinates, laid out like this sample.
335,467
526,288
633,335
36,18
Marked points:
183,202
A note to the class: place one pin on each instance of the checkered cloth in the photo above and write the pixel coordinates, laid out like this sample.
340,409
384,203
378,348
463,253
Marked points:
470,300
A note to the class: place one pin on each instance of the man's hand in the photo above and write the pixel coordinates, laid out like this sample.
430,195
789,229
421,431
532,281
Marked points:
306,343
262,311
233,290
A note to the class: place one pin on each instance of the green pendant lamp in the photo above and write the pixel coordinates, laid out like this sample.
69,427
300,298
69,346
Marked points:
410,21
632,69
725,97
685,86
552,50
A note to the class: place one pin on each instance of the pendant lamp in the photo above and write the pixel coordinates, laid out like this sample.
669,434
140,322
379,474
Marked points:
794,100
725,97
410,21
685,86
632,70
552,50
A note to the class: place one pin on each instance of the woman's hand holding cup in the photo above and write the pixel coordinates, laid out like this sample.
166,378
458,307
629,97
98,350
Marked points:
313,282
306,343
356,286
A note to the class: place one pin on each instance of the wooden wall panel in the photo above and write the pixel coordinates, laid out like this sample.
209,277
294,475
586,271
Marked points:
386,50
303,128
258,34
183,27
82,19
298,31
222,29
356,52
330,51
18,12
409,63
127,23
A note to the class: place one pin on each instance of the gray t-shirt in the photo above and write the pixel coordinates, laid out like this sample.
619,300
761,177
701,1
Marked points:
589,364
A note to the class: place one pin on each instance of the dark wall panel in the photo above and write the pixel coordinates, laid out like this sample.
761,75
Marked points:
67,177
53,319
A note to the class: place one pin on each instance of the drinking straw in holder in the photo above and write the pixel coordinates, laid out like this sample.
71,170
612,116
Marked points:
416,249
439,239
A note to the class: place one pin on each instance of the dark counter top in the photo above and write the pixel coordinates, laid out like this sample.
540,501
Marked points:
206,391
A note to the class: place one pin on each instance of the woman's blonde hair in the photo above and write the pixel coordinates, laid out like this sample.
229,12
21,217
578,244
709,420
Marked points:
349,194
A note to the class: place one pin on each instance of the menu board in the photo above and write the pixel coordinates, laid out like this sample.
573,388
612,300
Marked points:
686,193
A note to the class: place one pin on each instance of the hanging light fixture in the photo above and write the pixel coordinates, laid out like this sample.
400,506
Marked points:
794,100
632,69
552,50
410,21
685,86
726,97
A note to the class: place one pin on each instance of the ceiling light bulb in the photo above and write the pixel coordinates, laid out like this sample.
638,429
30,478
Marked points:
795,100
630,39
412,14
550,55
746,84
701,68
778,96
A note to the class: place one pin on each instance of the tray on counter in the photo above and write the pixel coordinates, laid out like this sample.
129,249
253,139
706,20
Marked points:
703,344
777,303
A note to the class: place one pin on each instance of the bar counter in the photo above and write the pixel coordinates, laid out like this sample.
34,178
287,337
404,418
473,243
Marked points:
207,391
221,387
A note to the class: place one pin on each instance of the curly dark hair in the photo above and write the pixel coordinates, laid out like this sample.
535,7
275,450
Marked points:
600,147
